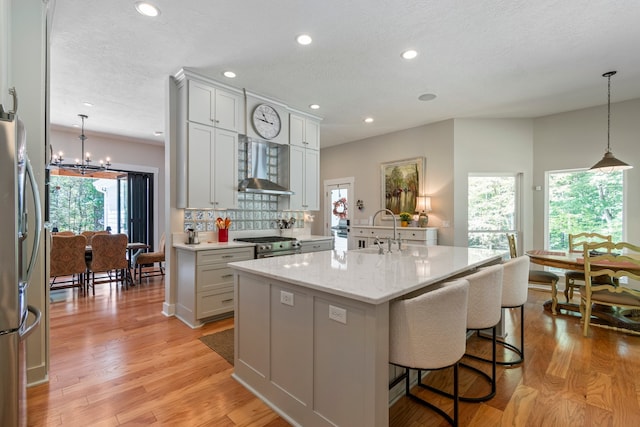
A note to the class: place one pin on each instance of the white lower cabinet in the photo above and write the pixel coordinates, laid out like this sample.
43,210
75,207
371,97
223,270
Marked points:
364,236
205,283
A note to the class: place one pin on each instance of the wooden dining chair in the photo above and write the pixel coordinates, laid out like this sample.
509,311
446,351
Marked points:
109,254
575,279
538,277
618,265
150,258
67,258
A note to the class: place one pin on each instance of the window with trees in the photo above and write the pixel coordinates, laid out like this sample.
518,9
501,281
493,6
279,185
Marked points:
493,209
584,201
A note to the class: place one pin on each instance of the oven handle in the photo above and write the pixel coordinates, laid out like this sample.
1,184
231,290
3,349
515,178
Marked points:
275,254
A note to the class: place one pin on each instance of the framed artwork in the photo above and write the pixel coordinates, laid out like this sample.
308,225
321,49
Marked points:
402,182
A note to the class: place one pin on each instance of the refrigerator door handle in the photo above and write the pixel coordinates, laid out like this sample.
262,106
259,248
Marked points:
38,220
25,334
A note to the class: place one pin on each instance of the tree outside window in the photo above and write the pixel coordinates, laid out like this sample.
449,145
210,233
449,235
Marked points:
583,201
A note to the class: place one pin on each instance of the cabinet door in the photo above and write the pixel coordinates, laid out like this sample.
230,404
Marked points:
296,130
199,175
296,177
201,101
312,134
312,180
225,169
227,110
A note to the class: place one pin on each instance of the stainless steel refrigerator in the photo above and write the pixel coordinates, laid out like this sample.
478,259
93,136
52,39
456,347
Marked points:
18,253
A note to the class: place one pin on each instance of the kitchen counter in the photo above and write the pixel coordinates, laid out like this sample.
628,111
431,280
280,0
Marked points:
313,238
205,246
312,330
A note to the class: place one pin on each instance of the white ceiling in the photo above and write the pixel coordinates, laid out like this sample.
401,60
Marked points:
483,59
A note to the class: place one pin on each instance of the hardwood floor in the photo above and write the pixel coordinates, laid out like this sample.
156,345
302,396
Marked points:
116,360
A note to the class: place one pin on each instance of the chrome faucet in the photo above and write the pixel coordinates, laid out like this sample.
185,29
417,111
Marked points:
378,243
395,238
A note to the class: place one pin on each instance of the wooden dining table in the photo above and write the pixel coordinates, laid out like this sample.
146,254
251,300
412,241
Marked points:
574,261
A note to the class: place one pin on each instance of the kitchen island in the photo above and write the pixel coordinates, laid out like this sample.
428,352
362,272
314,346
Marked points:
312,330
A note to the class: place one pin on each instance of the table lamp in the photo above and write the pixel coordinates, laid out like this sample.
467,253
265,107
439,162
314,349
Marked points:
423,205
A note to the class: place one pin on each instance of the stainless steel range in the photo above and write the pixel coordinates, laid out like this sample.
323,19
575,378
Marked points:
270,246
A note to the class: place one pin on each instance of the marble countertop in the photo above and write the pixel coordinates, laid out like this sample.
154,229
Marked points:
209,242
366,276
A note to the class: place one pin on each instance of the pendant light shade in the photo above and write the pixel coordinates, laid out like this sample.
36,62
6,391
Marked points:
609,163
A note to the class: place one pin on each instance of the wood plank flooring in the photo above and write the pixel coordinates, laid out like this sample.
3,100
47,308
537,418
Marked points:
116,360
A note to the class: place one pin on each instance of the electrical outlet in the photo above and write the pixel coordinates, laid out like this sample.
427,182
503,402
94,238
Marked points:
338,314
286,298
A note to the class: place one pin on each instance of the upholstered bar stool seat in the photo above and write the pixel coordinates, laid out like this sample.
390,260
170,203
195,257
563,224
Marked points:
428,332
483,312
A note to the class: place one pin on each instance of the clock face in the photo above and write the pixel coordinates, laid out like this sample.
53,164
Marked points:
266,121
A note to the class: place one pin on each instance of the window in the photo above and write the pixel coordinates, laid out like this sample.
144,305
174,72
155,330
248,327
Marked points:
583,201
493,209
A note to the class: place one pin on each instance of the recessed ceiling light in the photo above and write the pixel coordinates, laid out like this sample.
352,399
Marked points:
147,9
229,74
314,106
368,120
304,39
409,54
87,104
158,133
427,97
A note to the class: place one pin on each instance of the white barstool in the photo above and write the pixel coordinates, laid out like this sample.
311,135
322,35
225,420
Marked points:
483,312
515,285
428,332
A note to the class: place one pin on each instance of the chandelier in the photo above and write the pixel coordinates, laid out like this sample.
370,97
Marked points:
83,165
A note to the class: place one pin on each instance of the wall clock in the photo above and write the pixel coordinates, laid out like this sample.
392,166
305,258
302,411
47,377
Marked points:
266,121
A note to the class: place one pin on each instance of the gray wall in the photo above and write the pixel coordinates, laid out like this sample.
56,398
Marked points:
453,148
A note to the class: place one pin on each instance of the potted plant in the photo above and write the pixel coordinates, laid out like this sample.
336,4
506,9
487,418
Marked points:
405,217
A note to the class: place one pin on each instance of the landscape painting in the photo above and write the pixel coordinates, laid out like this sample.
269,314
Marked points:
401,184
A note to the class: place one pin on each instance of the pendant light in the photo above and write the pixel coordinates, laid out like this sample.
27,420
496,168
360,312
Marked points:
609,163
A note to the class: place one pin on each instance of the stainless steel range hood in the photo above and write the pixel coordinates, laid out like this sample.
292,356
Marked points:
257,170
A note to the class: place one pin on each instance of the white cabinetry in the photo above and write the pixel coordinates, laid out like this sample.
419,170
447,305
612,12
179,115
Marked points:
364,236
212,159
211,106
205,283
304,132
304,178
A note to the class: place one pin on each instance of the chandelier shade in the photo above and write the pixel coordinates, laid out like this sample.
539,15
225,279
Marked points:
609,163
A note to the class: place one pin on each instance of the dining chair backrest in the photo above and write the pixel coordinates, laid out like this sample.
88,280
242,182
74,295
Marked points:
67,255
89,234
109,252
577,241
513,251
615,261
624,261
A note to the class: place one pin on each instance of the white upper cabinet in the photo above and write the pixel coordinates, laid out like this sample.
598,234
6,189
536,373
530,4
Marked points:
212,106
212,168
304,173
304,132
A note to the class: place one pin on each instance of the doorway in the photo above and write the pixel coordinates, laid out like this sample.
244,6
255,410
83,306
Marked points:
337,196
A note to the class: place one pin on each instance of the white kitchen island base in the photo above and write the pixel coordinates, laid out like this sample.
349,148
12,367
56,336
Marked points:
312,330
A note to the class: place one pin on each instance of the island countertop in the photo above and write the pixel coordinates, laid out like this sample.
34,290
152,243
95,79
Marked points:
366,276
